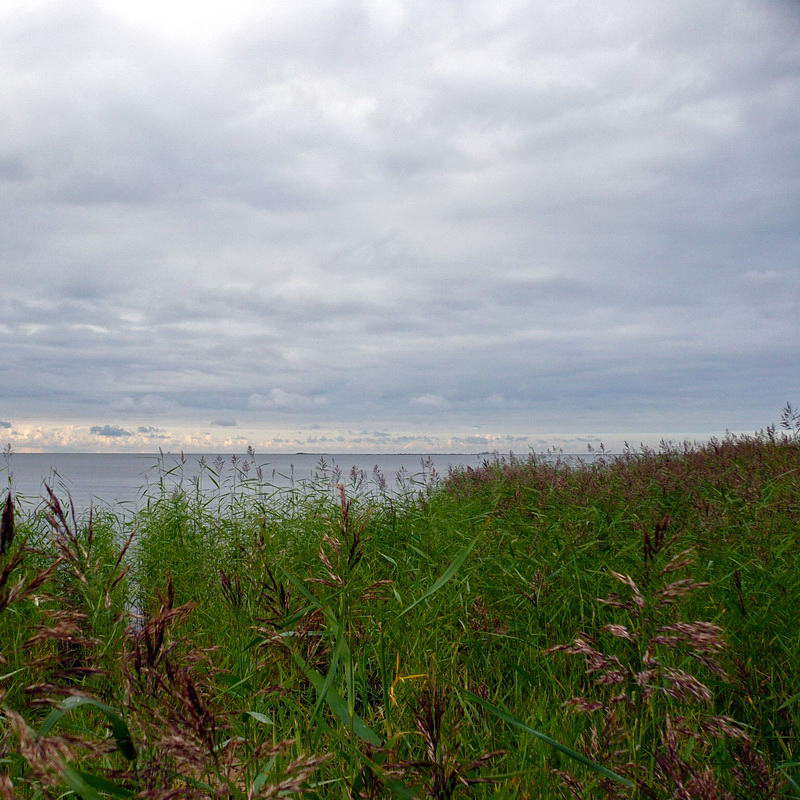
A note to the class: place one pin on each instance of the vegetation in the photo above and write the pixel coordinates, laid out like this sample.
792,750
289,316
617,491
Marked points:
529,629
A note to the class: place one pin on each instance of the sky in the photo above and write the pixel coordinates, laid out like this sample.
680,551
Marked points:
384,226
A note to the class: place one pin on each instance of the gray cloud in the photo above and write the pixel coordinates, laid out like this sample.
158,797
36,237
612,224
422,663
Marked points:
153,432
5,424
281,399
223,423
109,430
530,218
148,403
429,401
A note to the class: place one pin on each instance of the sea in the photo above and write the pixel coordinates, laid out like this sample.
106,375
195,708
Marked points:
126,480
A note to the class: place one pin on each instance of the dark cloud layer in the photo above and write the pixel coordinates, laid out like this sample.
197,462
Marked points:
530,217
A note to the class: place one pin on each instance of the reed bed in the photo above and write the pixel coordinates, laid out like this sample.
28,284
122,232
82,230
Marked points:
530,629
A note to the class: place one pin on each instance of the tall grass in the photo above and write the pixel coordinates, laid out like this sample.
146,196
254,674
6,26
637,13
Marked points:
528,629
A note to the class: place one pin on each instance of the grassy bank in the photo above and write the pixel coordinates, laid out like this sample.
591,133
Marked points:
624,629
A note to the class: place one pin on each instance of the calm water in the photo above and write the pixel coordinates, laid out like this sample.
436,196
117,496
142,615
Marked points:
111,478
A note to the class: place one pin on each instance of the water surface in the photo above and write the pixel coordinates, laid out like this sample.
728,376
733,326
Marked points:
126,477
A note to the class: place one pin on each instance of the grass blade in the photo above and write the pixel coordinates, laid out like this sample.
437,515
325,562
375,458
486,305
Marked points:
337,704
76,782
258,717
322,693
396,786
455,565
119,729
103,784
506,716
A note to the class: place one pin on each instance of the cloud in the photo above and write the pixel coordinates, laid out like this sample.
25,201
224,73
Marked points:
223,423
429,401
5,424
148,403
280,399
109,430
33,437
529,217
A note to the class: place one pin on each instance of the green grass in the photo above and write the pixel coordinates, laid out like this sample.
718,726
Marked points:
367,646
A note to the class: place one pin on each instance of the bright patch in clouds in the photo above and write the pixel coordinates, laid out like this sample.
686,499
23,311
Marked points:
188,20
149,438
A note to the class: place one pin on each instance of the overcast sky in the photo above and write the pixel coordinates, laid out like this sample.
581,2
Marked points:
392,225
